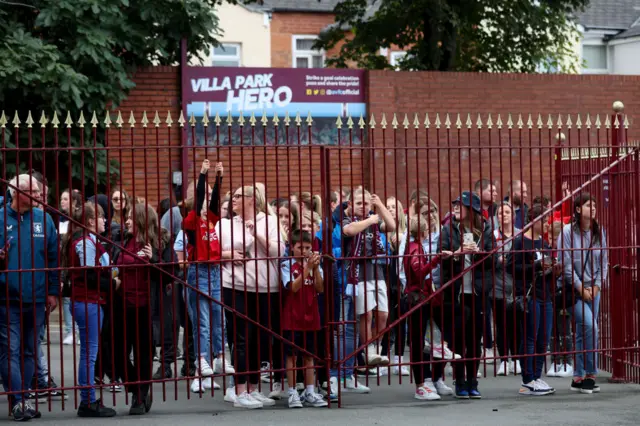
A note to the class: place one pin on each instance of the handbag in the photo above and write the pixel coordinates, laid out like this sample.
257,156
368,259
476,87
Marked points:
567,295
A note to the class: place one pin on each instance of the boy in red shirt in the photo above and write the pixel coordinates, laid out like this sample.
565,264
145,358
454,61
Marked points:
302,279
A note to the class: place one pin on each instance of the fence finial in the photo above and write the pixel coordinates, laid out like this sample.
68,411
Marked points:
361,122
416,121
298,120
469,123
520,122
132,120
489,122
275,120
539,123
559,121
44,121
156,119
578,122
499,121
427,122
144,120
479,122
372,122
383,122
217,119
350,122
549,122
509,122
598,123
588,122
192,120
81,120
252,119
607,122
181,119
169,120
264,120
339,123
16,120
458,122
287,119
205,118
94,120
3,120
626,122
107,119
229,119
241,119
447,121
618,107
68,121
529,122
438,122
405,122
119,120
568,123
29,120
616,122
394,121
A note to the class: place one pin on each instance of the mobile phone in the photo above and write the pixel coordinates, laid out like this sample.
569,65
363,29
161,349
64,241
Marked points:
6,245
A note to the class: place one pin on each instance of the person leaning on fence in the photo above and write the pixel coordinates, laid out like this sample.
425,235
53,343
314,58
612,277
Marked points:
469,237
69,200
585,262
90,283
535,273
418,267
131,310
302,280
365,278
29,241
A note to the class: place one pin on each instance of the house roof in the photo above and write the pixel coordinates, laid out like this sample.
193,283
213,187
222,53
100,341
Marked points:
609,14
320,6
631,32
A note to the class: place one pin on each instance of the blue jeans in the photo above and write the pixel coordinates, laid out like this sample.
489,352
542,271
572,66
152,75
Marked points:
538,326
16,342
68,316
206,315
586,316
89,318
42,366
346,336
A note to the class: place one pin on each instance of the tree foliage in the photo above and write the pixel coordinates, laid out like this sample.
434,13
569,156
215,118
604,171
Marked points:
456,35
72,55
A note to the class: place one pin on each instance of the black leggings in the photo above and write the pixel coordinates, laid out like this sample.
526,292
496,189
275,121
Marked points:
509,323
466,329
399,331
418,325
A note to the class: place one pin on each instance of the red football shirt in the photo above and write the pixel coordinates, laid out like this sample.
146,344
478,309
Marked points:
207,244
300,310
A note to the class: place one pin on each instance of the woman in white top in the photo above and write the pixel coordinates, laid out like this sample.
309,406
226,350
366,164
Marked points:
251,287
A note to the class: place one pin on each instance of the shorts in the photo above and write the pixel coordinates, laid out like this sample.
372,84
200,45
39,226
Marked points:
375,296
303,339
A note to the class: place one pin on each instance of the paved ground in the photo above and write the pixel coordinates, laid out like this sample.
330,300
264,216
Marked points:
387,404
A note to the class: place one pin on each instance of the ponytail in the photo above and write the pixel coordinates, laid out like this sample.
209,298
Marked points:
78,213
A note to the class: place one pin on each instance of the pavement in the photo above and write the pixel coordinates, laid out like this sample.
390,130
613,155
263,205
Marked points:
390,402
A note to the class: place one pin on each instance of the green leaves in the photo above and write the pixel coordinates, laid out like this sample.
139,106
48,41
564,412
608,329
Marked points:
455,35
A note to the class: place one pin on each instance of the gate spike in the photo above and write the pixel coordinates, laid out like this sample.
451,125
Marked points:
458,122
539,123
438,122
29,120
568,123
298,120
394,121
383,122
520,122
119,119
132,120
372,122
16,120
509,122
44,121
447,121
309,119
252,120
469,123
229,119
241,119
361,122
616,122
217,119
549,122
350,122
287,120
529,122
181,120
479,122
144,120
489,122
626,121
68,121
405,122
339,123
607,122
416,121
578,122
169,120
264,120
275,120
107,119
427,122
205,118
559,121
588,122
81,120
3,120
94,120
598,123
499,121
156,119
192,120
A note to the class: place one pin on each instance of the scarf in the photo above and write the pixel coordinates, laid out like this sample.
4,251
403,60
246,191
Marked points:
357,250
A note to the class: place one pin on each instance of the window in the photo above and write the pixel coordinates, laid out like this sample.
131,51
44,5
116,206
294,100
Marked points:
304,56
226,55
396,58
595,58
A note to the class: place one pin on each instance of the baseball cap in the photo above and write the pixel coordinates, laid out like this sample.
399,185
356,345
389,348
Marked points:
469,200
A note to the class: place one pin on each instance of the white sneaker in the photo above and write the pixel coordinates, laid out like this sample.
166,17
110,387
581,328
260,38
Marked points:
401,371
503,370
300,387
230,395
442,388
441,352
266,402
428,384
208,382
384,360
488,353
294,400
373,358
352,386
333,387
448,370
545,385
68,339
383,371
565,370
276,391
220,367
424,394
479,375
203,367
197,386
312,399
517,370
553,370
244,400
265,376
533,388
114,387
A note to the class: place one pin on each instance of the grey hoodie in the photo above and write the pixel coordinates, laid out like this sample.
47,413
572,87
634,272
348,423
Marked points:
596,269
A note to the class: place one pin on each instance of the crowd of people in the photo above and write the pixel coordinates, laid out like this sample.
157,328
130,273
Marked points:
264,278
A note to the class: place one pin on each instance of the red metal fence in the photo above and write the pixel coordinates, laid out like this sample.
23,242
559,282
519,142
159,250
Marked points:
428,162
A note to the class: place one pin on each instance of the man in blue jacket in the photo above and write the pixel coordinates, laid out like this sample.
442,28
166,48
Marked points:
29,241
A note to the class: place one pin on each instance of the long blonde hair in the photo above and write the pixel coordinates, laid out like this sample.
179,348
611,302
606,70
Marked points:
401,220
145,221
311,202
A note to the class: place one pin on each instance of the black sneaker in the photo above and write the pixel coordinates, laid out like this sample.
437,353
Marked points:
148,401
41,397
137,407
474,393
587,386
163,373
187,371
95,409
576,386
19,412
56,395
